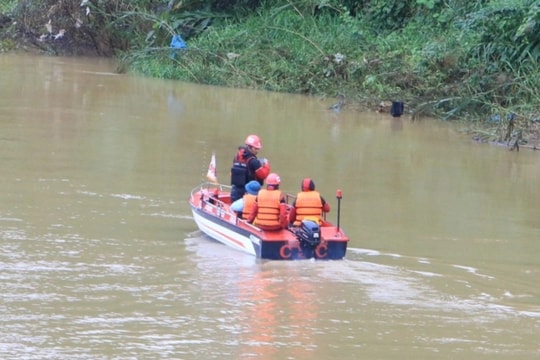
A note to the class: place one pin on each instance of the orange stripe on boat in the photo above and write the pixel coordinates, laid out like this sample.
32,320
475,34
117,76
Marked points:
239,243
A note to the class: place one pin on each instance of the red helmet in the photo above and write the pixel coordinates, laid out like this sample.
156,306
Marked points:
273,179
253,140
308,184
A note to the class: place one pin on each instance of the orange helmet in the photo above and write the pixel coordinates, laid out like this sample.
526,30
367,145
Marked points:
253,140
273,179
308,184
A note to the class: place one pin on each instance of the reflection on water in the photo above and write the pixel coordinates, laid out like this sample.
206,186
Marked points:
273,307
101,258
295,307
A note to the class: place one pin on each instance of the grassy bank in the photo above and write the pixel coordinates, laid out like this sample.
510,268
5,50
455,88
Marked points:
477,61
442,69
283,50
456,65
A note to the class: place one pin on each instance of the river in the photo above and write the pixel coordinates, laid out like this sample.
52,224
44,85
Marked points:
101,258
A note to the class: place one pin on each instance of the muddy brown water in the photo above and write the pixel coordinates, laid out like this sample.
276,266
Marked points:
101,258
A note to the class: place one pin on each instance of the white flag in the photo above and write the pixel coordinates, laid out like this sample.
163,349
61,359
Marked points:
211,174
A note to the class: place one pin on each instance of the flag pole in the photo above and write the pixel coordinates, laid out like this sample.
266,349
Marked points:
338,196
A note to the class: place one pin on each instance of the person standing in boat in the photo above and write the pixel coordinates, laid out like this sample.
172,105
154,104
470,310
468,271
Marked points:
244,205
247,167
309,205
269,212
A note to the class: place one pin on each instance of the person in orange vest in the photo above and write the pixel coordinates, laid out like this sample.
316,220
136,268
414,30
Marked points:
309,205
244,205
247,167
269,211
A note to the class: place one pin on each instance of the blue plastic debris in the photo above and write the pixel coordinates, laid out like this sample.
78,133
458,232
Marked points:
177,43
495,118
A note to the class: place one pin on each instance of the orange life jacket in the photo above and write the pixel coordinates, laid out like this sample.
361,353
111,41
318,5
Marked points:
268,213
249,200
308,205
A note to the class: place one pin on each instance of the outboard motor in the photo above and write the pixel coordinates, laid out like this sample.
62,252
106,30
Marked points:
309,235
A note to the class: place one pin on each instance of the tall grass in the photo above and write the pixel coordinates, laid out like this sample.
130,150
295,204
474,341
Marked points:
7,6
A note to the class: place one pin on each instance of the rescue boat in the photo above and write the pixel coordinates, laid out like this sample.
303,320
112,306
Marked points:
210,205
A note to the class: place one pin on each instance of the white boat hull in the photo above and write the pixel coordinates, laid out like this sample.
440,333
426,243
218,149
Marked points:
225,235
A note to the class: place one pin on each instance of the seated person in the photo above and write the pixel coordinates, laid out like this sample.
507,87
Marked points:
309,205
244,205
268,211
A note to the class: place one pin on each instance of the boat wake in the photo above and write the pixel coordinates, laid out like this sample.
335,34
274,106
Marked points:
389,278
427,283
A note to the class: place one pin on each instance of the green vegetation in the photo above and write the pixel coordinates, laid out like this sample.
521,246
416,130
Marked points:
6,43
7,5
476,60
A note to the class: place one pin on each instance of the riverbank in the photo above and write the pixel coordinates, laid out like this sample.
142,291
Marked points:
448,70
